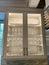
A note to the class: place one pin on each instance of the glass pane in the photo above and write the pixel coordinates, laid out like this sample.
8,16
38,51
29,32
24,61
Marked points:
1,39
2,16
35,38
15,34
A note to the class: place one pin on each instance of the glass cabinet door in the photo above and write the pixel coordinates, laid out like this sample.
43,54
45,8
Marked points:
15,35
35,37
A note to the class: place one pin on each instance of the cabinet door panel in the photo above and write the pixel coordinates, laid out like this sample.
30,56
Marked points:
15,35
35,37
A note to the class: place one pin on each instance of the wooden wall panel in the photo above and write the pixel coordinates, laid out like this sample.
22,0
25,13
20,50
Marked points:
17,3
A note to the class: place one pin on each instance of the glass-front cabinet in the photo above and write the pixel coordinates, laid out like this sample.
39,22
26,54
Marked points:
24,37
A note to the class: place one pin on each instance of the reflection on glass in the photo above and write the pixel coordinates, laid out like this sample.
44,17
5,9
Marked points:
15,34
35,38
